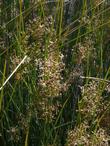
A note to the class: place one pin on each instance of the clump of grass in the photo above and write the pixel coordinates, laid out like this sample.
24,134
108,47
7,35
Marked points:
92,107
81,136
50,100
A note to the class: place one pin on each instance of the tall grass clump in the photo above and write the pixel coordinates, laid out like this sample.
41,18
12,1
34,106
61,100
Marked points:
54,73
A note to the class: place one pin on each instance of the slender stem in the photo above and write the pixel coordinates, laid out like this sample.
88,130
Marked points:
94,78
13,72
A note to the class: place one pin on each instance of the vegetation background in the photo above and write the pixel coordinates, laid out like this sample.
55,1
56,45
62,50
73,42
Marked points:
60,94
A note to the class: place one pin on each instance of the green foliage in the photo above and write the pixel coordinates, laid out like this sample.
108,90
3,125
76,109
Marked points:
60,94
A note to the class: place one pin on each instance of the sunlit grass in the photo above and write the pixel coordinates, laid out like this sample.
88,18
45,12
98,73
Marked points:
55,97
